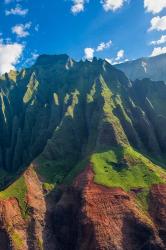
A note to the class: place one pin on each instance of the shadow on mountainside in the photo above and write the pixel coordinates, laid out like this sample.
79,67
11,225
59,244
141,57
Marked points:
64,229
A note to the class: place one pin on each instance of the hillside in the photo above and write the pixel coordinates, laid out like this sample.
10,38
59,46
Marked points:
148,67
82,158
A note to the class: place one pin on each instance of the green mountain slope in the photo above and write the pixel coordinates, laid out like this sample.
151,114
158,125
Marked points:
82,158
63,112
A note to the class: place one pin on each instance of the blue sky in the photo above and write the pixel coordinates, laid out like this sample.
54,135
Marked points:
118,30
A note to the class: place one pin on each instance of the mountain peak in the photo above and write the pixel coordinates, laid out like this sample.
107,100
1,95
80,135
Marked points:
51,59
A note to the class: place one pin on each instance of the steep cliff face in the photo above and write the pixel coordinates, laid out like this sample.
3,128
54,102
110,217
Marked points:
24,227
115,218
83,101
83,216
82,158
157,209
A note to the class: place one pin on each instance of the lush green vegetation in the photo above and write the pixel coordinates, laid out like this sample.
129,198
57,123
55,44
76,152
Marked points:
53,172
75,171
40,244
56,172
120,167
18,242
18,190
142,199
69,113
32,87
48,187
16,239
125,168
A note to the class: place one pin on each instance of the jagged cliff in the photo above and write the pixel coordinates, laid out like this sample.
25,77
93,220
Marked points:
82,158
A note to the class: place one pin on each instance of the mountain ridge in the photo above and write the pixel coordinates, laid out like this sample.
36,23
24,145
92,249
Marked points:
77,129
145,67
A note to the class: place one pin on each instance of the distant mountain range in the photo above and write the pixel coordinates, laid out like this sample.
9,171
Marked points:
82,155
148,67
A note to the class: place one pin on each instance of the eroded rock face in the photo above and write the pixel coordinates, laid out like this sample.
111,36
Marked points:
158,208
13,227
24,232
83,216
114,219
37,209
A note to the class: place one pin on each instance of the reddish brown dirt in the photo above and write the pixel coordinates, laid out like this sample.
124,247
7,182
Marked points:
158,208
37,209
111,219
85,216
12,224
24,233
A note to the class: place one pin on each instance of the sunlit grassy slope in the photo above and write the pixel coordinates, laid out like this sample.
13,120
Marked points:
119,167
126,168
17,190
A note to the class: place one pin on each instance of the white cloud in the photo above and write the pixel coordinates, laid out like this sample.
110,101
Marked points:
160,41
89,53
158,51
35,55
31,59
120,55
158,23
78,6
21,30
120,58
103,46
17,11
10,54
112,4
8,1
37,27
108,5
154,6
109,60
